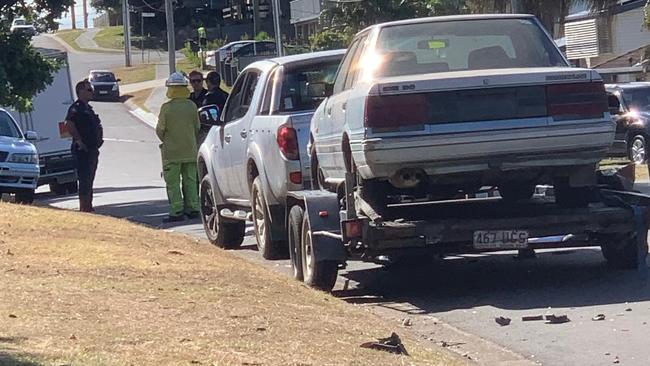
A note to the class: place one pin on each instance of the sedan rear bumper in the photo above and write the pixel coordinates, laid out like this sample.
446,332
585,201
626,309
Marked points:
440,154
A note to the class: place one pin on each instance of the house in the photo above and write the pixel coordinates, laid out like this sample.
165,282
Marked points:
594,39
304,17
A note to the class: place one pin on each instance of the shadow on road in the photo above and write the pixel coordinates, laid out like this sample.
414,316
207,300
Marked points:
554,279
13,359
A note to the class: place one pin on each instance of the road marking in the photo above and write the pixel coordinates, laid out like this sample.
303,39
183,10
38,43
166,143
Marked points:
122,140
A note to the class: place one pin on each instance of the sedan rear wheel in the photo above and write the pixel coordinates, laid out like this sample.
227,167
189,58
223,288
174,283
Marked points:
638,150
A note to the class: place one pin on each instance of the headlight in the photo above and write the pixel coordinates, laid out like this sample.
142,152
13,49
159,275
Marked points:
23,158
115,87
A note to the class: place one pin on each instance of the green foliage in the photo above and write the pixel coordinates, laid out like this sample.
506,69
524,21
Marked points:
263,36
192,57
646,15
215,44
23,71
331,39
245,37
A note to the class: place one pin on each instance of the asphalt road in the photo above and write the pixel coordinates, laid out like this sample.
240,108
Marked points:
465,292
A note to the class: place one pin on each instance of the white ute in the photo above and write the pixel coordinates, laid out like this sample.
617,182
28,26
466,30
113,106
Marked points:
438,107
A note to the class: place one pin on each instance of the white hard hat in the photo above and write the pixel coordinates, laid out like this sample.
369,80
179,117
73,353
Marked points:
176,79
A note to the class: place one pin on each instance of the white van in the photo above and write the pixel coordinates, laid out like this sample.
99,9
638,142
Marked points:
46,119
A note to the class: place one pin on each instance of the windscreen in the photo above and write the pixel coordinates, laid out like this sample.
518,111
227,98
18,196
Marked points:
465,45
637,99
303,88
104,77
8,127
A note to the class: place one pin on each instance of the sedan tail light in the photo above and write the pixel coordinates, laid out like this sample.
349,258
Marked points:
576,101
390,111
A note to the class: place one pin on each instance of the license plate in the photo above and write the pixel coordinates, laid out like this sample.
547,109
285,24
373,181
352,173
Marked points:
500,239
103,92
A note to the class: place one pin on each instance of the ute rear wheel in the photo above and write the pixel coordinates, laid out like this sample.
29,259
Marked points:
222,233
317,274
270,249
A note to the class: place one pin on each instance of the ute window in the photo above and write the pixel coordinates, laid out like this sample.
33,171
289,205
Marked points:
303,88
464,45
8,127
106,77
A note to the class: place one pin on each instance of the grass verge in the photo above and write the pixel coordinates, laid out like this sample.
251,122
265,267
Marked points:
69,36
88,290
135,74
111,37
140,97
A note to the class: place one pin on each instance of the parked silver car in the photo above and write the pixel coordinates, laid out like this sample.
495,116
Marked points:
19,168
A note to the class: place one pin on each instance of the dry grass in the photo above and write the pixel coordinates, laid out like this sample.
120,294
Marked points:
70,36
136,74
82,289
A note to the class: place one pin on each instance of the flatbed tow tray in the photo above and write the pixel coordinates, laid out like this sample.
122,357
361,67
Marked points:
454,223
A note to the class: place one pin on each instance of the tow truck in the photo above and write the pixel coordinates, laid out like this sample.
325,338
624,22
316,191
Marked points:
327,229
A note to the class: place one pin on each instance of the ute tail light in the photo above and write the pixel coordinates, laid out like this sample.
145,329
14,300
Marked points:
288,142
576,101
353,229
394,111
295,177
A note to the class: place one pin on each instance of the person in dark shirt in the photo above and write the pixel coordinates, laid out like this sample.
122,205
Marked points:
87,137
215,94
198,91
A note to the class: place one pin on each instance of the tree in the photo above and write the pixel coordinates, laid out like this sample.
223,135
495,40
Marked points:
23,71
330,39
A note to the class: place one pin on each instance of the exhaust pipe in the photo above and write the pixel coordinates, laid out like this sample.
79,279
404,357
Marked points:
407,178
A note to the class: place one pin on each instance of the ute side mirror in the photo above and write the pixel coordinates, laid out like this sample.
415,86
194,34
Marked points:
614,104
329,89
118,80
31,136
209,115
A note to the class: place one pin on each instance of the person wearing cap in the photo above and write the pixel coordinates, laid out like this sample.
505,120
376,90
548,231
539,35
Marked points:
177,128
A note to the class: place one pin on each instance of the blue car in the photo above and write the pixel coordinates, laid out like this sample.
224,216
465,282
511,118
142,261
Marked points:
19,168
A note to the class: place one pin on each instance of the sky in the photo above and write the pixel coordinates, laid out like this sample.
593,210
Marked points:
66,20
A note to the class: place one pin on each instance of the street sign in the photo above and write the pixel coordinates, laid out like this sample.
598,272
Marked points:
148,15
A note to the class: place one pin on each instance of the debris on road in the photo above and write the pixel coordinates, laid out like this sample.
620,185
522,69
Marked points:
598,317
407,322
628,309
73,337
392,344
12,316
616,360
532,318
557,319
502,321
177,252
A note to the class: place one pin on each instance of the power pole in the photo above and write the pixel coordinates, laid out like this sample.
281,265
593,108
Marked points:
85,7
171,42
514,6
74,19
276,24
127,33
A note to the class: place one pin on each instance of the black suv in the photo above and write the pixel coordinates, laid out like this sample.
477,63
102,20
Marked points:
105,85
629,105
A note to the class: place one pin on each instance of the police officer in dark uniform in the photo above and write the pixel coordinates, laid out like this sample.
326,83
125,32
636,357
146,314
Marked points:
215,94
87,137
198,91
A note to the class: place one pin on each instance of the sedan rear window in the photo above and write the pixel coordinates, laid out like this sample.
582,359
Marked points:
464,45
8,126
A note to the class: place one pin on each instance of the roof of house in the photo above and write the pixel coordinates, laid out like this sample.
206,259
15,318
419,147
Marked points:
626,60
622,7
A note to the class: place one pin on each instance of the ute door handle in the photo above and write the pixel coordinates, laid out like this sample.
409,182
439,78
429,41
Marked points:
344,106
227,138
243,134
329,111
